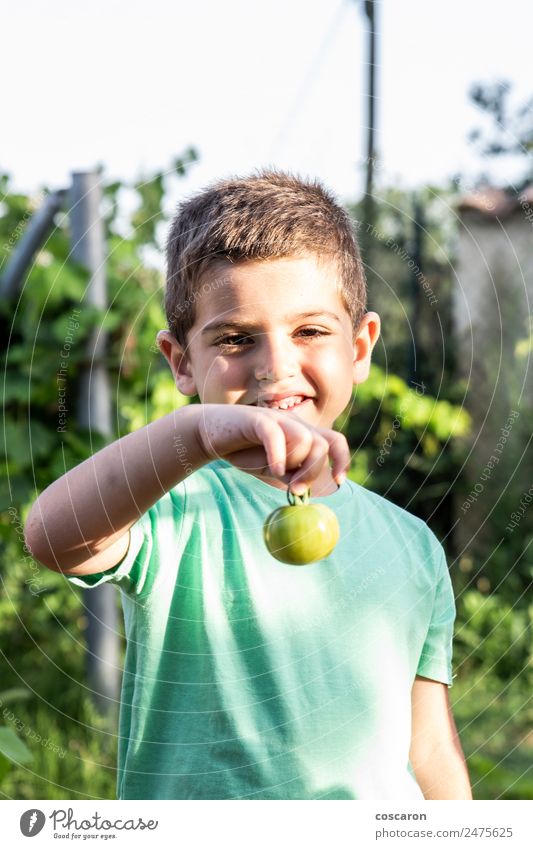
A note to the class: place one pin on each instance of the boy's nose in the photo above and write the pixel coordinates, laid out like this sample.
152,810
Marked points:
276,361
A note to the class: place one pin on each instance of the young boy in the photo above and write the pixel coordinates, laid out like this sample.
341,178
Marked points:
246,678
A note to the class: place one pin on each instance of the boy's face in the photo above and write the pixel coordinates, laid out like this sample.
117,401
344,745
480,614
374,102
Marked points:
265,346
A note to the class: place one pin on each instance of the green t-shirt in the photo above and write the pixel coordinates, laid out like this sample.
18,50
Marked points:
246,678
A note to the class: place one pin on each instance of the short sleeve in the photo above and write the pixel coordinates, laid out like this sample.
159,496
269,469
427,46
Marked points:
128,574
436,656
152,538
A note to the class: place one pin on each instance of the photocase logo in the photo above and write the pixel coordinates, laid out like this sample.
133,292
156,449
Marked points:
32,822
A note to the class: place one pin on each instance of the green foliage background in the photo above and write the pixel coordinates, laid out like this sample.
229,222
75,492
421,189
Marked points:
44,701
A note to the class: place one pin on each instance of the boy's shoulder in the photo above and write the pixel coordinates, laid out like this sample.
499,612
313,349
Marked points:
387,508
399,521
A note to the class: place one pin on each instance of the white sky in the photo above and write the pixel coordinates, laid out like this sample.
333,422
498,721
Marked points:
131,84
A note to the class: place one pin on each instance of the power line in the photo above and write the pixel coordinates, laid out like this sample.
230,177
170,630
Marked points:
308,81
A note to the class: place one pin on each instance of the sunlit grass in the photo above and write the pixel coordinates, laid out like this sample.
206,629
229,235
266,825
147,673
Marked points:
82,764
494,720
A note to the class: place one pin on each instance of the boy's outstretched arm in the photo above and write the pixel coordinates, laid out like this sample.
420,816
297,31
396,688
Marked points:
436,754
80,524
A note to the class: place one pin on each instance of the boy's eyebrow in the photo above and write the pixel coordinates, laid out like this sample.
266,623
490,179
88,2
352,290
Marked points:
219,325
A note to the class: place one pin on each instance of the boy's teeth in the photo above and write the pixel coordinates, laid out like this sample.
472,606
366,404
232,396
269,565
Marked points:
293,401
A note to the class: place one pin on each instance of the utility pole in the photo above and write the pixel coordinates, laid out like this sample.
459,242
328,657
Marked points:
368,206
370,11
94,413
416,255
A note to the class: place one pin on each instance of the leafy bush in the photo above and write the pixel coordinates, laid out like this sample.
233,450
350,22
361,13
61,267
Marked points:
494,636
403,445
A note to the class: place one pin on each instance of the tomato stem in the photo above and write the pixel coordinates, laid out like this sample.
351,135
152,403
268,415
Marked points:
294,499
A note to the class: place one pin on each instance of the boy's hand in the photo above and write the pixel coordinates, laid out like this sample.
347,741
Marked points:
271,442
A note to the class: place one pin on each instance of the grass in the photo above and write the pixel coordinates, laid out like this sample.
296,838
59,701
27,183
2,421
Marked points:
494,720
82,764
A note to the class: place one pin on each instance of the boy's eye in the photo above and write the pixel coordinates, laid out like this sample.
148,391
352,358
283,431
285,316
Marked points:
232,341
313,331
237,340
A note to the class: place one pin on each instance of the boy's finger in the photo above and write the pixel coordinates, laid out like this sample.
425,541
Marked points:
340,454
311,467
339,451
273,439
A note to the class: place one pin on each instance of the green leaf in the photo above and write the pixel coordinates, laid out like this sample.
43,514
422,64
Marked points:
14,446
14,489
22,445
42,440
16,388
13,748
4,767
14,694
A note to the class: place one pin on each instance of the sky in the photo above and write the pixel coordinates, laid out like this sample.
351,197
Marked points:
131,85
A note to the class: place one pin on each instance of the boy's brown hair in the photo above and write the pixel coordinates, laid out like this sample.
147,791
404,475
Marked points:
268,215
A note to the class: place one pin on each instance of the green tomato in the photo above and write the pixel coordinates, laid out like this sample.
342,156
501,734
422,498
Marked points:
301,533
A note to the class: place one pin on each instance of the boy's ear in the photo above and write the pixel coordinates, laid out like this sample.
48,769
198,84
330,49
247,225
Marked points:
178,361
365,339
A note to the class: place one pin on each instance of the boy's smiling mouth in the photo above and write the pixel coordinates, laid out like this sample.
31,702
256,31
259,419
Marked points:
282,402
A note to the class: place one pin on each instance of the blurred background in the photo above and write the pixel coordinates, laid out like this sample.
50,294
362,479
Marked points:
419,116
